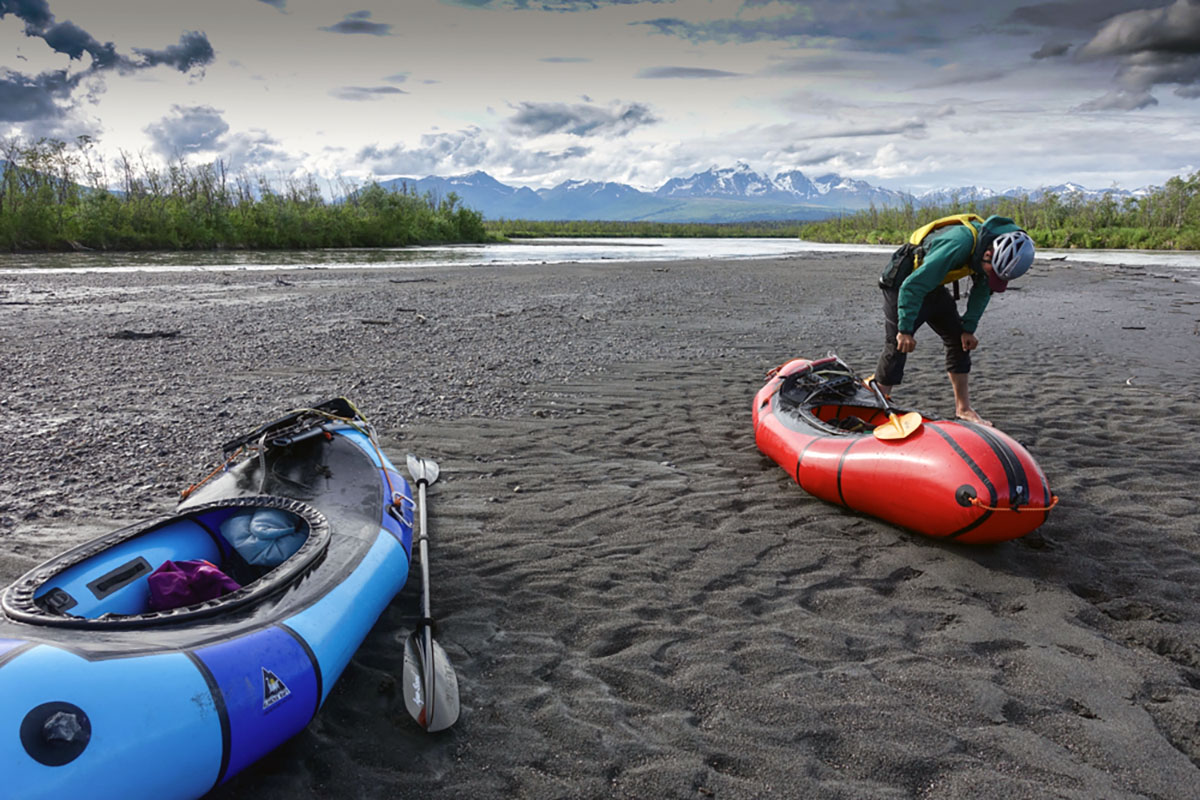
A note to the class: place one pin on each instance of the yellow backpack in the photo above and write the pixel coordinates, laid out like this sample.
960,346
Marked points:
907,258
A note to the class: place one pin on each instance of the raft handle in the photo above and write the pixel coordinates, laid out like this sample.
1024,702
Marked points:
120,577
975,501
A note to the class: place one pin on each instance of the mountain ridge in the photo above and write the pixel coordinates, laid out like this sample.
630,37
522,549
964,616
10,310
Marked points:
719,194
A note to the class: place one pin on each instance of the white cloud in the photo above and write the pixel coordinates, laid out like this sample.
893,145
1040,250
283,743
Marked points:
538,96
1119,100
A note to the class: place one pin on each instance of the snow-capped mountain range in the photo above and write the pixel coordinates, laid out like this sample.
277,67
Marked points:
731,194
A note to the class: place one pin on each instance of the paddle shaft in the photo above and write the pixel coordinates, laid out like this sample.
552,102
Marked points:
426,619
902,425
883,400
423,549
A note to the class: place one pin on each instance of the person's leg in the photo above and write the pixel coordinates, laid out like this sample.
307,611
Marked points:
944,320
889,370
962,399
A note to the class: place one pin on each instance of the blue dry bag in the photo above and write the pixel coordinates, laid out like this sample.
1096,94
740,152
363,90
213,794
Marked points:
265,536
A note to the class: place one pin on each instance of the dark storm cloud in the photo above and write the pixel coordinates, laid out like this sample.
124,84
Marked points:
457,151
45,98
193,50
280,4
1171,29
201,130
898,26
35,13
1082,15
537,119
1144,71
685,72
1174,29
1152,47
66,37
1050,50
63,37
550,5
360,22
24,98
807,18
188,129
721,30
365,92
867,23
71,40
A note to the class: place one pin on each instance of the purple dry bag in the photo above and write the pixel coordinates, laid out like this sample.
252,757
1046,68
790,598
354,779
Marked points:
183,583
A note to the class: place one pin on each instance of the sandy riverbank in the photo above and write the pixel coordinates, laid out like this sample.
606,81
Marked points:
637,603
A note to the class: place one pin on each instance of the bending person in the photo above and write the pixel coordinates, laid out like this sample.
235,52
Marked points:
991,252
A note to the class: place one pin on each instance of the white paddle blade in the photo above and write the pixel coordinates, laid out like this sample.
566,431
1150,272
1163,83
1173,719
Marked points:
422,469
445,692
443,688
413,680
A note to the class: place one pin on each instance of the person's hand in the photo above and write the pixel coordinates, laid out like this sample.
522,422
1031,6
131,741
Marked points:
905,342
969,342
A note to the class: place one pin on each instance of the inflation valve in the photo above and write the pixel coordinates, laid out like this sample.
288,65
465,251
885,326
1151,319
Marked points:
966,495
55,733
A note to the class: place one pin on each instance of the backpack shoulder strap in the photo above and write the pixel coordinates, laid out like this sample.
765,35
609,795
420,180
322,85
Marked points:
954,219
919,235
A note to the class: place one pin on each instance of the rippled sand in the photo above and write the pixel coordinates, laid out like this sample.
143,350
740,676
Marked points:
637,602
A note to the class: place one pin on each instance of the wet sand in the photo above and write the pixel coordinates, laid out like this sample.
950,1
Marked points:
639,604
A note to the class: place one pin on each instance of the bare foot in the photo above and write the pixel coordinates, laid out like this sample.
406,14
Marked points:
970,416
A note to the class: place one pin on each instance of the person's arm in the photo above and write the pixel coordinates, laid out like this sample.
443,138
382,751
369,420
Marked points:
942,254
977,301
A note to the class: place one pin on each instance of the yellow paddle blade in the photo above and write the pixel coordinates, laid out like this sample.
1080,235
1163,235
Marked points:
899,426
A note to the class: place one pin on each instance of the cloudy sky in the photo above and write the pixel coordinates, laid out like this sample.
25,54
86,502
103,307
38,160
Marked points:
907,94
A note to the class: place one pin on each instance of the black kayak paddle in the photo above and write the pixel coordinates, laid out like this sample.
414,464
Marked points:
430,685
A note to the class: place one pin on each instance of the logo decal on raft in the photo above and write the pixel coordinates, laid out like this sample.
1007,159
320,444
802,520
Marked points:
274,690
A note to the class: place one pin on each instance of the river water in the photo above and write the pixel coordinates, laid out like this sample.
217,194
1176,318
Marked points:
532,251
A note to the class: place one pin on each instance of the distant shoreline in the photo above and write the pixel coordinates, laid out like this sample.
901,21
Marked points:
1176,265
541,239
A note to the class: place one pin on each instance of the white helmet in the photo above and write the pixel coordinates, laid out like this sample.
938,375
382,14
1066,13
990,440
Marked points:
1012,255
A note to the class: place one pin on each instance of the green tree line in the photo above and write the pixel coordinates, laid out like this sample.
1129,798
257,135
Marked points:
57,196
1167,218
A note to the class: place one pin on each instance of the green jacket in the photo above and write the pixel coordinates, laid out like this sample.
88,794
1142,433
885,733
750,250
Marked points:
947,249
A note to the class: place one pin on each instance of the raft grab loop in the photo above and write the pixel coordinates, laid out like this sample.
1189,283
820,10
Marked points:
975,501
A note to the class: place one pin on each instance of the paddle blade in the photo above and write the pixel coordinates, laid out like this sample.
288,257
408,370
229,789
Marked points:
423,470
439,684
900,426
